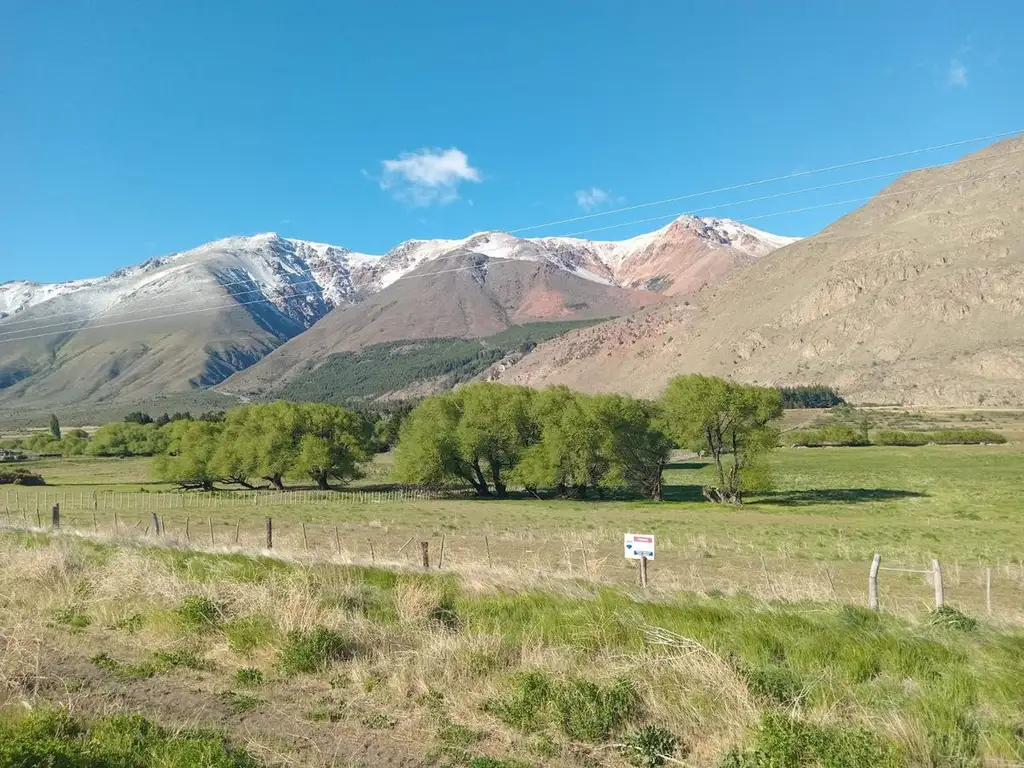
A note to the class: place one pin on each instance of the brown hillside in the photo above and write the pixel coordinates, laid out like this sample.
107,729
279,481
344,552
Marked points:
917,297
468,296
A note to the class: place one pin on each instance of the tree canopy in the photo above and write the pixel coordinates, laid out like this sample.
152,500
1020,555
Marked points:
732,423
272,441
487,435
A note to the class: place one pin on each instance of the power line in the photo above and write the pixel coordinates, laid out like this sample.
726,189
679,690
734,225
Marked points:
693,195
794,175
499,258
313,281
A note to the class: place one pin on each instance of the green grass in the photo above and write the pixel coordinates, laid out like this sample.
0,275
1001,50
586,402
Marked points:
581,666
51,737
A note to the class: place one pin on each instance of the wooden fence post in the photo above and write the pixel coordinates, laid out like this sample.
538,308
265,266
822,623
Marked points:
56,516
238,523
270,533
487,544
188,536
373,556
643,572
156,524
305,543
440,556
209,523
425,554
937,569
873,583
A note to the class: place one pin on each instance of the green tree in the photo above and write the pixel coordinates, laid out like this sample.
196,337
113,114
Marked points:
333,443
634,442
476,434
128,439
570,455
54,426
428,449
188,458
732,423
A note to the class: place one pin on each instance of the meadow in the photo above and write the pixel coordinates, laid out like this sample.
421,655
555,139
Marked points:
530,642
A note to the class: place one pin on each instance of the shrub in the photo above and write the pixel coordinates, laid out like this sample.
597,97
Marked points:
523,707
832,435
775,684
51,737
20,477
950,617
314,651
247,633
649,746
895,437
249,677
966,437
590,712
198,612
784,742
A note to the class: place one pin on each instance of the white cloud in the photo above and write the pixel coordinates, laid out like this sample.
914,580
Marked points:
428,176
957,75
589,199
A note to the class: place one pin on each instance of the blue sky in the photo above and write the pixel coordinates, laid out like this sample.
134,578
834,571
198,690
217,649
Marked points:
135,129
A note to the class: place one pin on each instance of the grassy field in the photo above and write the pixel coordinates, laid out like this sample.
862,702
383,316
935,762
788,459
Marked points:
529,643
811,538
331,665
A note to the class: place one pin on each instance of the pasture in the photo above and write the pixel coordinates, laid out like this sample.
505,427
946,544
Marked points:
528,642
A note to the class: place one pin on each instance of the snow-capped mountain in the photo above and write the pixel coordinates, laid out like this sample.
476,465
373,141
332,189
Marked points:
192,318
304,279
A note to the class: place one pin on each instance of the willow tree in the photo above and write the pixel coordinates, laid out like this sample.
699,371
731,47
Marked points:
733,423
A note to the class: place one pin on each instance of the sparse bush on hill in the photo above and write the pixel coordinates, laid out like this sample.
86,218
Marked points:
833,435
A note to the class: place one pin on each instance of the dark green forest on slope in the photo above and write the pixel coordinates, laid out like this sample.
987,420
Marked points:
381,368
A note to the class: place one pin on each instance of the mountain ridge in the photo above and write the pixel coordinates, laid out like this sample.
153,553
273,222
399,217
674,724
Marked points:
914,298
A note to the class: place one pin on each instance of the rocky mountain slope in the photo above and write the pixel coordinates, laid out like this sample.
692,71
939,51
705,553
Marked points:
192,319
467,295
917,297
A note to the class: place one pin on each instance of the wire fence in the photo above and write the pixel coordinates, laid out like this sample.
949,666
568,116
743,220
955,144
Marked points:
981,589
41,501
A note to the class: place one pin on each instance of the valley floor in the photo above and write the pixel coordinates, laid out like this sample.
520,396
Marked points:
528,642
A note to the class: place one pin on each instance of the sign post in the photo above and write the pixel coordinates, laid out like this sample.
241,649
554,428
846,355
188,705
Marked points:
639,546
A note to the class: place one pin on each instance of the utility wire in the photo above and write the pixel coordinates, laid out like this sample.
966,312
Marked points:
794,175
498,258
705,209
759,182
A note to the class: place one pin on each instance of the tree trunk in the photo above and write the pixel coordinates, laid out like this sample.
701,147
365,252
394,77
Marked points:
274,480
321,482
532,491
480,481
240,481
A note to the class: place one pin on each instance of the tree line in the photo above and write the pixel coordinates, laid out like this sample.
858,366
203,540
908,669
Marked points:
488,436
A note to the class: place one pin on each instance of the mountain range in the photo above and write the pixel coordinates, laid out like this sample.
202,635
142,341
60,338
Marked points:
266,307
917,297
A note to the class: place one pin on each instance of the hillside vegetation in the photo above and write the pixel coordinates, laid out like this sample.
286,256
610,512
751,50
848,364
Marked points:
393,366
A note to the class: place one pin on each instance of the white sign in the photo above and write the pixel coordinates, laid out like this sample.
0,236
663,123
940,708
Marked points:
639,546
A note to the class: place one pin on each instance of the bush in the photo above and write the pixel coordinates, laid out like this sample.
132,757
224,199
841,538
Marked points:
20,477
950,617
198,612
590,712
784,742
833,435
775,684
895,437
523,707
649,746
51,737
249,677
314,651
